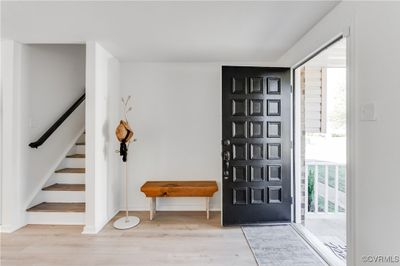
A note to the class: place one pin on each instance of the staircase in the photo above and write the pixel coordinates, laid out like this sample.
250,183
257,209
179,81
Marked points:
62,199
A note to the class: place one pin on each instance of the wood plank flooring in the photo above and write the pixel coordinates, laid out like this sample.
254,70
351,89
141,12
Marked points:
58,207
72,170
79,156
174,238
65,187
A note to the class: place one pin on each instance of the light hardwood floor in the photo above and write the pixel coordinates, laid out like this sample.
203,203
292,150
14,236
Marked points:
172,238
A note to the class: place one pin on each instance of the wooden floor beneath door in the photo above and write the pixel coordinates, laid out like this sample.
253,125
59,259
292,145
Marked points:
173,238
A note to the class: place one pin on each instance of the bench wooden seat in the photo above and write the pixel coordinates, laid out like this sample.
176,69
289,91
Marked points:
153,189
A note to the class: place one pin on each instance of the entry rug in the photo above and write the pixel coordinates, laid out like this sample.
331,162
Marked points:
280,245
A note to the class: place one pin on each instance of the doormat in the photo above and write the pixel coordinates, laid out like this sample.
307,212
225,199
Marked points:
337,249
280,245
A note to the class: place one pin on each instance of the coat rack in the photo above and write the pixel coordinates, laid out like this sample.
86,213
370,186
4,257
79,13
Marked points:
125,135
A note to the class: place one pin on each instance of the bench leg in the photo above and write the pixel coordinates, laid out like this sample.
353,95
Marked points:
208,207
152,208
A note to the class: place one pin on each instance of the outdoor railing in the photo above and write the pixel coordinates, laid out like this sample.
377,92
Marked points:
325,183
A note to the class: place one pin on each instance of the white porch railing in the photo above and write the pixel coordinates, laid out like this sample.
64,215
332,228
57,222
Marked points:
331,193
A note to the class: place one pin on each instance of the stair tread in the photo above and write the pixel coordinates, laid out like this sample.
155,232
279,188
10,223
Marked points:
80,143
76,156
58,207
71,170
65,187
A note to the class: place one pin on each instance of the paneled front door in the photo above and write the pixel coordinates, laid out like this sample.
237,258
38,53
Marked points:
256,150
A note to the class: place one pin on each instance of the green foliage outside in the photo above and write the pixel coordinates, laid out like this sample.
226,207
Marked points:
331,183
310,175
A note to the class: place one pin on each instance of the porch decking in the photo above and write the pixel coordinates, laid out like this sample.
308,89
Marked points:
325,217
330,232
327,227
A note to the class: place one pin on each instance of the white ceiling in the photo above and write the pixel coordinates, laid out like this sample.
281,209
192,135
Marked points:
167,31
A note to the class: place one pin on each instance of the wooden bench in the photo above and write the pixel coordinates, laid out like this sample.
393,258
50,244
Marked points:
154,189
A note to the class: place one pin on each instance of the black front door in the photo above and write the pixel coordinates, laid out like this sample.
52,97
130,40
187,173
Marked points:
256,150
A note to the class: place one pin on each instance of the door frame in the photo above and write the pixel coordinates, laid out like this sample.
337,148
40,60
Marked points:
350,138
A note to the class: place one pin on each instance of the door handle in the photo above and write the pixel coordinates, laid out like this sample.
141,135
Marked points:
226,155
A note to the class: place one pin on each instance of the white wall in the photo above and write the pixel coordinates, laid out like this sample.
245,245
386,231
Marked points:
374,69
12,204
103,180
43,81
1,130
177,122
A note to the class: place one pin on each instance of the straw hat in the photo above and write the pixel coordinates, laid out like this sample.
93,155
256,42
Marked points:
124,132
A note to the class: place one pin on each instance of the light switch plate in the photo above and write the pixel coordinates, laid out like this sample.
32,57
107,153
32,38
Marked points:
368,112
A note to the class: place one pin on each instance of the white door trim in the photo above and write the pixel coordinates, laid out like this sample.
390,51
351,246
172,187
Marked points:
347,34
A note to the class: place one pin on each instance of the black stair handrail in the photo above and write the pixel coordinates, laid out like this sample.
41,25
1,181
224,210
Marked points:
58,123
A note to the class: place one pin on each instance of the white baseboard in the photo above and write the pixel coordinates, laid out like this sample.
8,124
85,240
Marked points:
88,230
176,204
91,230
174,207
10,228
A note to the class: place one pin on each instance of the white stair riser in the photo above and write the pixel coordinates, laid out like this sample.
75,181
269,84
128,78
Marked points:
68,218
77,149
80,149
72,163
81,139
67,178
62,196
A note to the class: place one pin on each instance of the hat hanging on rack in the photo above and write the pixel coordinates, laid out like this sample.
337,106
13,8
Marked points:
125,135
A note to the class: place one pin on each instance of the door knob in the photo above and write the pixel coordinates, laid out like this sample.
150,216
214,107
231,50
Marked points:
226,142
